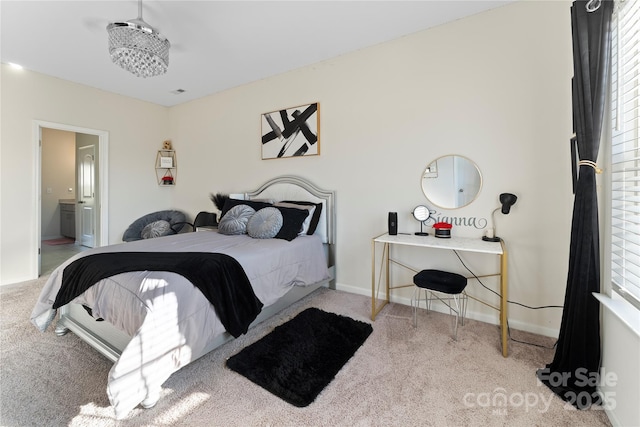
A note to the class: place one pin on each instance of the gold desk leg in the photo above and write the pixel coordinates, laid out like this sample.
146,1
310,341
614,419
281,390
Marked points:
503,300
384,263
373,280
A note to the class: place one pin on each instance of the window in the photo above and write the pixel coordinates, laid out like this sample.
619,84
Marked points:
625,151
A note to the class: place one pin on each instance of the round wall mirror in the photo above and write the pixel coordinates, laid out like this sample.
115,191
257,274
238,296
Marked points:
451,182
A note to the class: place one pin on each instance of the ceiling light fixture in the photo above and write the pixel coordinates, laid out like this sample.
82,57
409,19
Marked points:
137,47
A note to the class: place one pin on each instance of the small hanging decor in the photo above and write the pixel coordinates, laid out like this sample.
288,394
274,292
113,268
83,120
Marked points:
167,179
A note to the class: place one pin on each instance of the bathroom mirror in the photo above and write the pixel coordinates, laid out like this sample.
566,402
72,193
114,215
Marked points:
451,182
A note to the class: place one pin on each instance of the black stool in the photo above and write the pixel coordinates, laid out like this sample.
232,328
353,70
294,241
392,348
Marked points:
443,282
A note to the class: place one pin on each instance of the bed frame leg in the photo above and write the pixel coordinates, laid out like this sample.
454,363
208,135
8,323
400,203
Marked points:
150,400
61,330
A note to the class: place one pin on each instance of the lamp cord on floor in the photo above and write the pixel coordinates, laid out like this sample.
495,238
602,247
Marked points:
528,343
510,302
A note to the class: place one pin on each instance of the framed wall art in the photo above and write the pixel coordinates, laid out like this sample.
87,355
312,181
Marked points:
291,132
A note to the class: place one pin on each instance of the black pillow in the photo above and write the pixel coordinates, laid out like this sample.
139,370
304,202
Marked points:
316,214
229,203
292,220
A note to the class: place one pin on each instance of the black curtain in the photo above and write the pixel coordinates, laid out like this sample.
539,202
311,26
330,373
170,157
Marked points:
573,373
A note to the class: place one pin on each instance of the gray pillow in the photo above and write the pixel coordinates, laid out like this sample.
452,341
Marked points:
235,220
156,229
265,223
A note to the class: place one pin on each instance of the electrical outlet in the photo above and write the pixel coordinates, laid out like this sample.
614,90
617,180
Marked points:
49,190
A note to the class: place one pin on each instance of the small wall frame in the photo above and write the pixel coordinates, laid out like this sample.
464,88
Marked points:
291,132
166,162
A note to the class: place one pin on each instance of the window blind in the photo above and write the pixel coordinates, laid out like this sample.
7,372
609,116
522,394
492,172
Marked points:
625,151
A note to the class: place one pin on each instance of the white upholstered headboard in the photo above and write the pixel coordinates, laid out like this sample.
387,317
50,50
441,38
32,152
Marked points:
291,187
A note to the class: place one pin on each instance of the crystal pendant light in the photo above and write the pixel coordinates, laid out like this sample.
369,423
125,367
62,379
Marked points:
137,47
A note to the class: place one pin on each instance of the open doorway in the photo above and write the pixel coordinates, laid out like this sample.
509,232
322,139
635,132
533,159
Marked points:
72,202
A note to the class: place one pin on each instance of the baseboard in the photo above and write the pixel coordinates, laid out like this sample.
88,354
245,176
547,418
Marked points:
481,317
59,236
353,289
615,422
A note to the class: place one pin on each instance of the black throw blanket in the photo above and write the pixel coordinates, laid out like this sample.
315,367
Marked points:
219,277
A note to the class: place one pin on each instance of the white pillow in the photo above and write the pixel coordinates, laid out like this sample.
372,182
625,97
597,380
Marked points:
265,223
307,221
235,220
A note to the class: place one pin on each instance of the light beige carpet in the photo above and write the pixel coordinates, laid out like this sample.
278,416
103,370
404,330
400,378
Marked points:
401,376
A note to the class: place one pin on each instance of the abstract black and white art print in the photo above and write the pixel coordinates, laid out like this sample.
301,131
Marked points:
291,132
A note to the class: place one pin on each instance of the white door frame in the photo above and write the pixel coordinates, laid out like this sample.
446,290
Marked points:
102,235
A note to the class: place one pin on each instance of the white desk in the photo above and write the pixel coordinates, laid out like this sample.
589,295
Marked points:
461,244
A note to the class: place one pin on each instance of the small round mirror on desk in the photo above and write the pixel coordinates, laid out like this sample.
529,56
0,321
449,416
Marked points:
451,182
422,214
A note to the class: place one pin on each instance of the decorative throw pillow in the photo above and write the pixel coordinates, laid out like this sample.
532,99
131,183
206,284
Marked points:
219,199
292,220
265,223
156,229
307,221
229,203
315,216
235,220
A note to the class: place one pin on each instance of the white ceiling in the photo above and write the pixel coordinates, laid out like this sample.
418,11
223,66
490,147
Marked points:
215,45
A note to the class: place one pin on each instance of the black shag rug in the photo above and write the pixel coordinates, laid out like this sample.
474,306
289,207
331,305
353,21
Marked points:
300,358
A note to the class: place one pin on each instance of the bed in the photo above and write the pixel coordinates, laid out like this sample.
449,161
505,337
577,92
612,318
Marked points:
156,322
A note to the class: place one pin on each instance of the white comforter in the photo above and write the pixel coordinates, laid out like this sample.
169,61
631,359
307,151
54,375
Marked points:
168,318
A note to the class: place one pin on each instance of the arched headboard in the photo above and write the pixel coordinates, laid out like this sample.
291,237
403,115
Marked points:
292,187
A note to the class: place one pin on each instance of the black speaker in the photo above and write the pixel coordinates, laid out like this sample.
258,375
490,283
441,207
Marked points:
393,223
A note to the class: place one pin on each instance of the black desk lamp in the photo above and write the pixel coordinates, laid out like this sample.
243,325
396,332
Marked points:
507,200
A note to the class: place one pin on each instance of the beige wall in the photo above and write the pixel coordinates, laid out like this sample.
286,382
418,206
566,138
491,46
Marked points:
58,175
492,87
620,374
136,130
